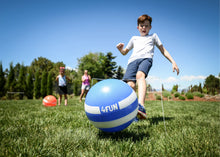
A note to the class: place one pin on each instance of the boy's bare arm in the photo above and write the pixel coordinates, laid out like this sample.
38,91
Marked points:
168,56
68,78
57,78
120,47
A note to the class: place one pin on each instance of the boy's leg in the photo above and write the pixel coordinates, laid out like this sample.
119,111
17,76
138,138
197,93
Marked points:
132,85
65,99
141,87
81,95
143,70
59,100
141,94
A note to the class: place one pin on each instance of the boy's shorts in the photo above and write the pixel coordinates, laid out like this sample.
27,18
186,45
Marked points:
142,64
62,90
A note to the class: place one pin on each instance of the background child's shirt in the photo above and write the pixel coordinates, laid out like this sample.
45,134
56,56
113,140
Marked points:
86,82
62,80
143,46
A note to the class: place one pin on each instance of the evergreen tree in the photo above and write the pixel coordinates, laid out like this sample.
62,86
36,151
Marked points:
37,85
119,73
200,88
175,88
212,84
17,68
109,66
2,81
21,84
49,84
41,64
11,79
44,84
30,85
163,88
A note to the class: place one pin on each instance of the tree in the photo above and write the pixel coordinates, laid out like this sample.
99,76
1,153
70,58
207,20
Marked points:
98,65
2,81
93,63
194,88
41,64
17,68
44,84
149,88
49,84
21,84
109,66
163,88
119,73
37,87
200,88
212,84
175,88
11,79
30,85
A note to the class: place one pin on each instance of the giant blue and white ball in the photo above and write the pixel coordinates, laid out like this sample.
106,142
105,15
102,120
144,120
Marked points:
111,105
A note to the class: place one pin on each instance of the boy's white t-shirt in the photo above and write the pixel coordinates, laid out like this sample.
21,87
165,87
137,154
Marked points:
143,46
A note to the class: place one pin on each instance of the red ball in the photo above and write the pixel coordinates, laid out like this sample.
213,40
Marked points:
50,100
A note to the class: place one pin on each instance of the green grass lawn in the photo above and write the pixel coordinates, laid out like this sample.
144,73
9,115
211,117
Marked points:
30,129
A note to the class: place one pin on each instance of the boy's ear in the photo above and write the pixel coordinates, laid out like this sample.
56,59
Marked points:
138,27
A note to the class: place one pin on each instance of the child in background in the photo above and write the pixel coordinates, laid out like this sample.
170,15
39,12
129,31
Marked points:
62,85
141,59
85,84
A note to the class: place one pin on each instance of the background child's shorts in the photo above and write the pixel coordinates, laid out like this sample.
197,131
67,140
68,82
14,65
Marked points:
85,87
142,64
62,90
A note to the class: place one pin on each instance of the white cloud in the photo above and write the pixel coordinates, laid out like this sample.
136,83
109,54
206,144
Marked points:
70,68
184,82
153,79
191,78
171,80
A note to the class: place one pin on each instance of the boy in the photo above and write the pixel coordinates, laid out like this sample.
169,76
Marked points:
140,61
62,85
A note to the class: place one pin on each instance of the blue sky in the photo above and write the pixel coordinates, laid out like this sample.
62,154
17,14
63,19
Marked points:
64,30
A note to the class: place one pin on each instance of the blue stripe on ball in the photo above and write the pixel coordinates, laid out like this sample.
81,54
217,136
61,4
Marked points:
118,128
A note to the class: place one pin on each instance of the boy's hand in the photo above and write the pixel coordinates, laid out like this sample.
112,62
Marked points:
120,46
175,67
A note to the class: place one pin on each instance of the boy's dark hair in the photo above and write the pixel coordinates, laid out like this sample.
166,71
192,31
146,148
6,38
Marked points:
144,17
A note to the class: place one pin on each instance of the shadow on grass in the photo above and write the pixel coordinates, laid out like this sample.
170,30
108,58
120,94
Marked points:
135,135
156,120
124,135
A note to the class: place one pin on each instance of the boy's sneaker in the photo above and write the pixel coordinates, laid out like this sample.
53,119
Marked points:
141,112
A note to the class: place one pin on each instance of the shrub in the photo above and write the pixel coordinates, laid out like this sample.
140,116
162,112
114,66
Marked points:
183,92
169,97
198,94
166,94
189,96
158,97
182,97
177,94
